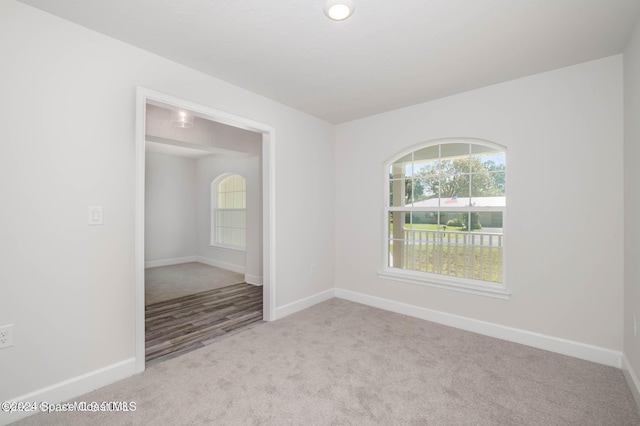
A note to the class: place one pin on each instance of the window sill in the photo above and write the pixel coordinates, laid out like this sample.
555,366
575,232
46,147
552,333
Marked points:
498,291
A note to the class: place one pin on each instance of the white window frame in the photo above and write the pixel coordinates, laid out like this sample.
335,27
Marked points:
465,285
214,192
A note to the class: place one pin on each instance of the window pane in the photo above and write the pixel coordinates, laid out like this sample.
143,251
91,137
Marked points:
400,192
398,221
426,191
236,237
485,247
236,219
426,161
483,149
427,154
493,201
390,254
238,200
455,150
491,222
401,167
398,253
224,185
227,236
413,189
454,191
228,200
426,168
487,189
451,239
491,161
454,202
455,166
238,183
454,221
424,221
410,252
393,187
499,181
482,185
474,223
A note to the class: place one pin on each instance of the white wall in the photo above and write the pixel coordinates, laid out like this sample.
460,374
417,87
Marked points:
249,261
170,207
632,203
178,210
253,271
563,133
67,130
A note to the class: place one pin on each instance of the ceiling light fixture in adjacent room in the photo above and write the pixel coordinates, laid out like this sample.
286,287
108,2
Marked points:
182,119
339,10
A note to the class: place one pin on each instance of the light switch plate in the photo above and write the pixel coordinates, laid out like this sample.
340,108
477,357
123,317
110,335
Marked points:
95,215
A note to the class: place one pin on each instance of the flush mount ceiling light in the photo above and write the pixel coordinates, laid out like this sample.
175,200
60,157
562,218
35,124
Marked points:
339,10
182,119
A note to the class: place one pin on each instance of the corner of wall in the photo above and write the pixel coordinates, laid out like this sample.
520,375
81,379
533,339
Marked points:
632,379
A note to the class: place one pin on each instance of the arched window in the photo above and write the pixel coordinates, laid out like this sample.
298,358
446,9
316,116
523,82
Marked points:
445,209
228,212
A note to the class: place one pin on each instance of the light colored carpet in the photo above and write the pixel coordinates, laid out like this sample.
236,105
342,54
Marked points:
170,282
344,363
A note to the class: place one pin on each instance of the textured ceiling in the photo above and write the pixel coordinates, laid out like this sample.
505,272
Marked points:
389,54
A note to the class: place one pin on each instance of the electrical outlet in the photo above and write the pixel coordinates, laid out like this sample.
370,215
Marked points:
6,336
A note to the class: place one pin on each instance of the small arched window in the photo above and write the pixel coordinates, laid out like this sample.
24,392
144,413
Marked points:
445,209
228,212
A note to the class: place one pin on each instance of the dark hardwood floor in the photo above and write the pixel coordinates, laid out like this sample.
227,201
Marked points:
176,326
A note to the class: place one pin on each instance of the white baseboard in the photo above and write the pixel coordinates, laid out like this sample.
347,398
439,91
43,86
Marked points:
307,302
253,279
541,341
167,262
632,379
212,262
219,264
72,388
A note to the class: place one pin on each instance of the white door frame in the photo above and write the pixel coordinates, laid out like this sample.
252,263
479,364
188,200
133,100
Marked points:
143,96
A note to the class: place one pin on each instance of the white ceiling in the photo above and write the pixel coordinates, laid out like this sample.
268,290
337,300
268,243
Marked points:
205,138
389,54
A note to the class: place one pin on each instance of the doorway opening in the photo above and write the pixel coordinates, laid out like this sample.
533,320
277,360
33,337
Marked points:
204,225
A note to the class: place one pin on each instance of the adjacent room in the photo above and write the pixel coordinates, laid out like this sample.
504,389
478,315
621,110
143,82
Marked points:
320,212
203,231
